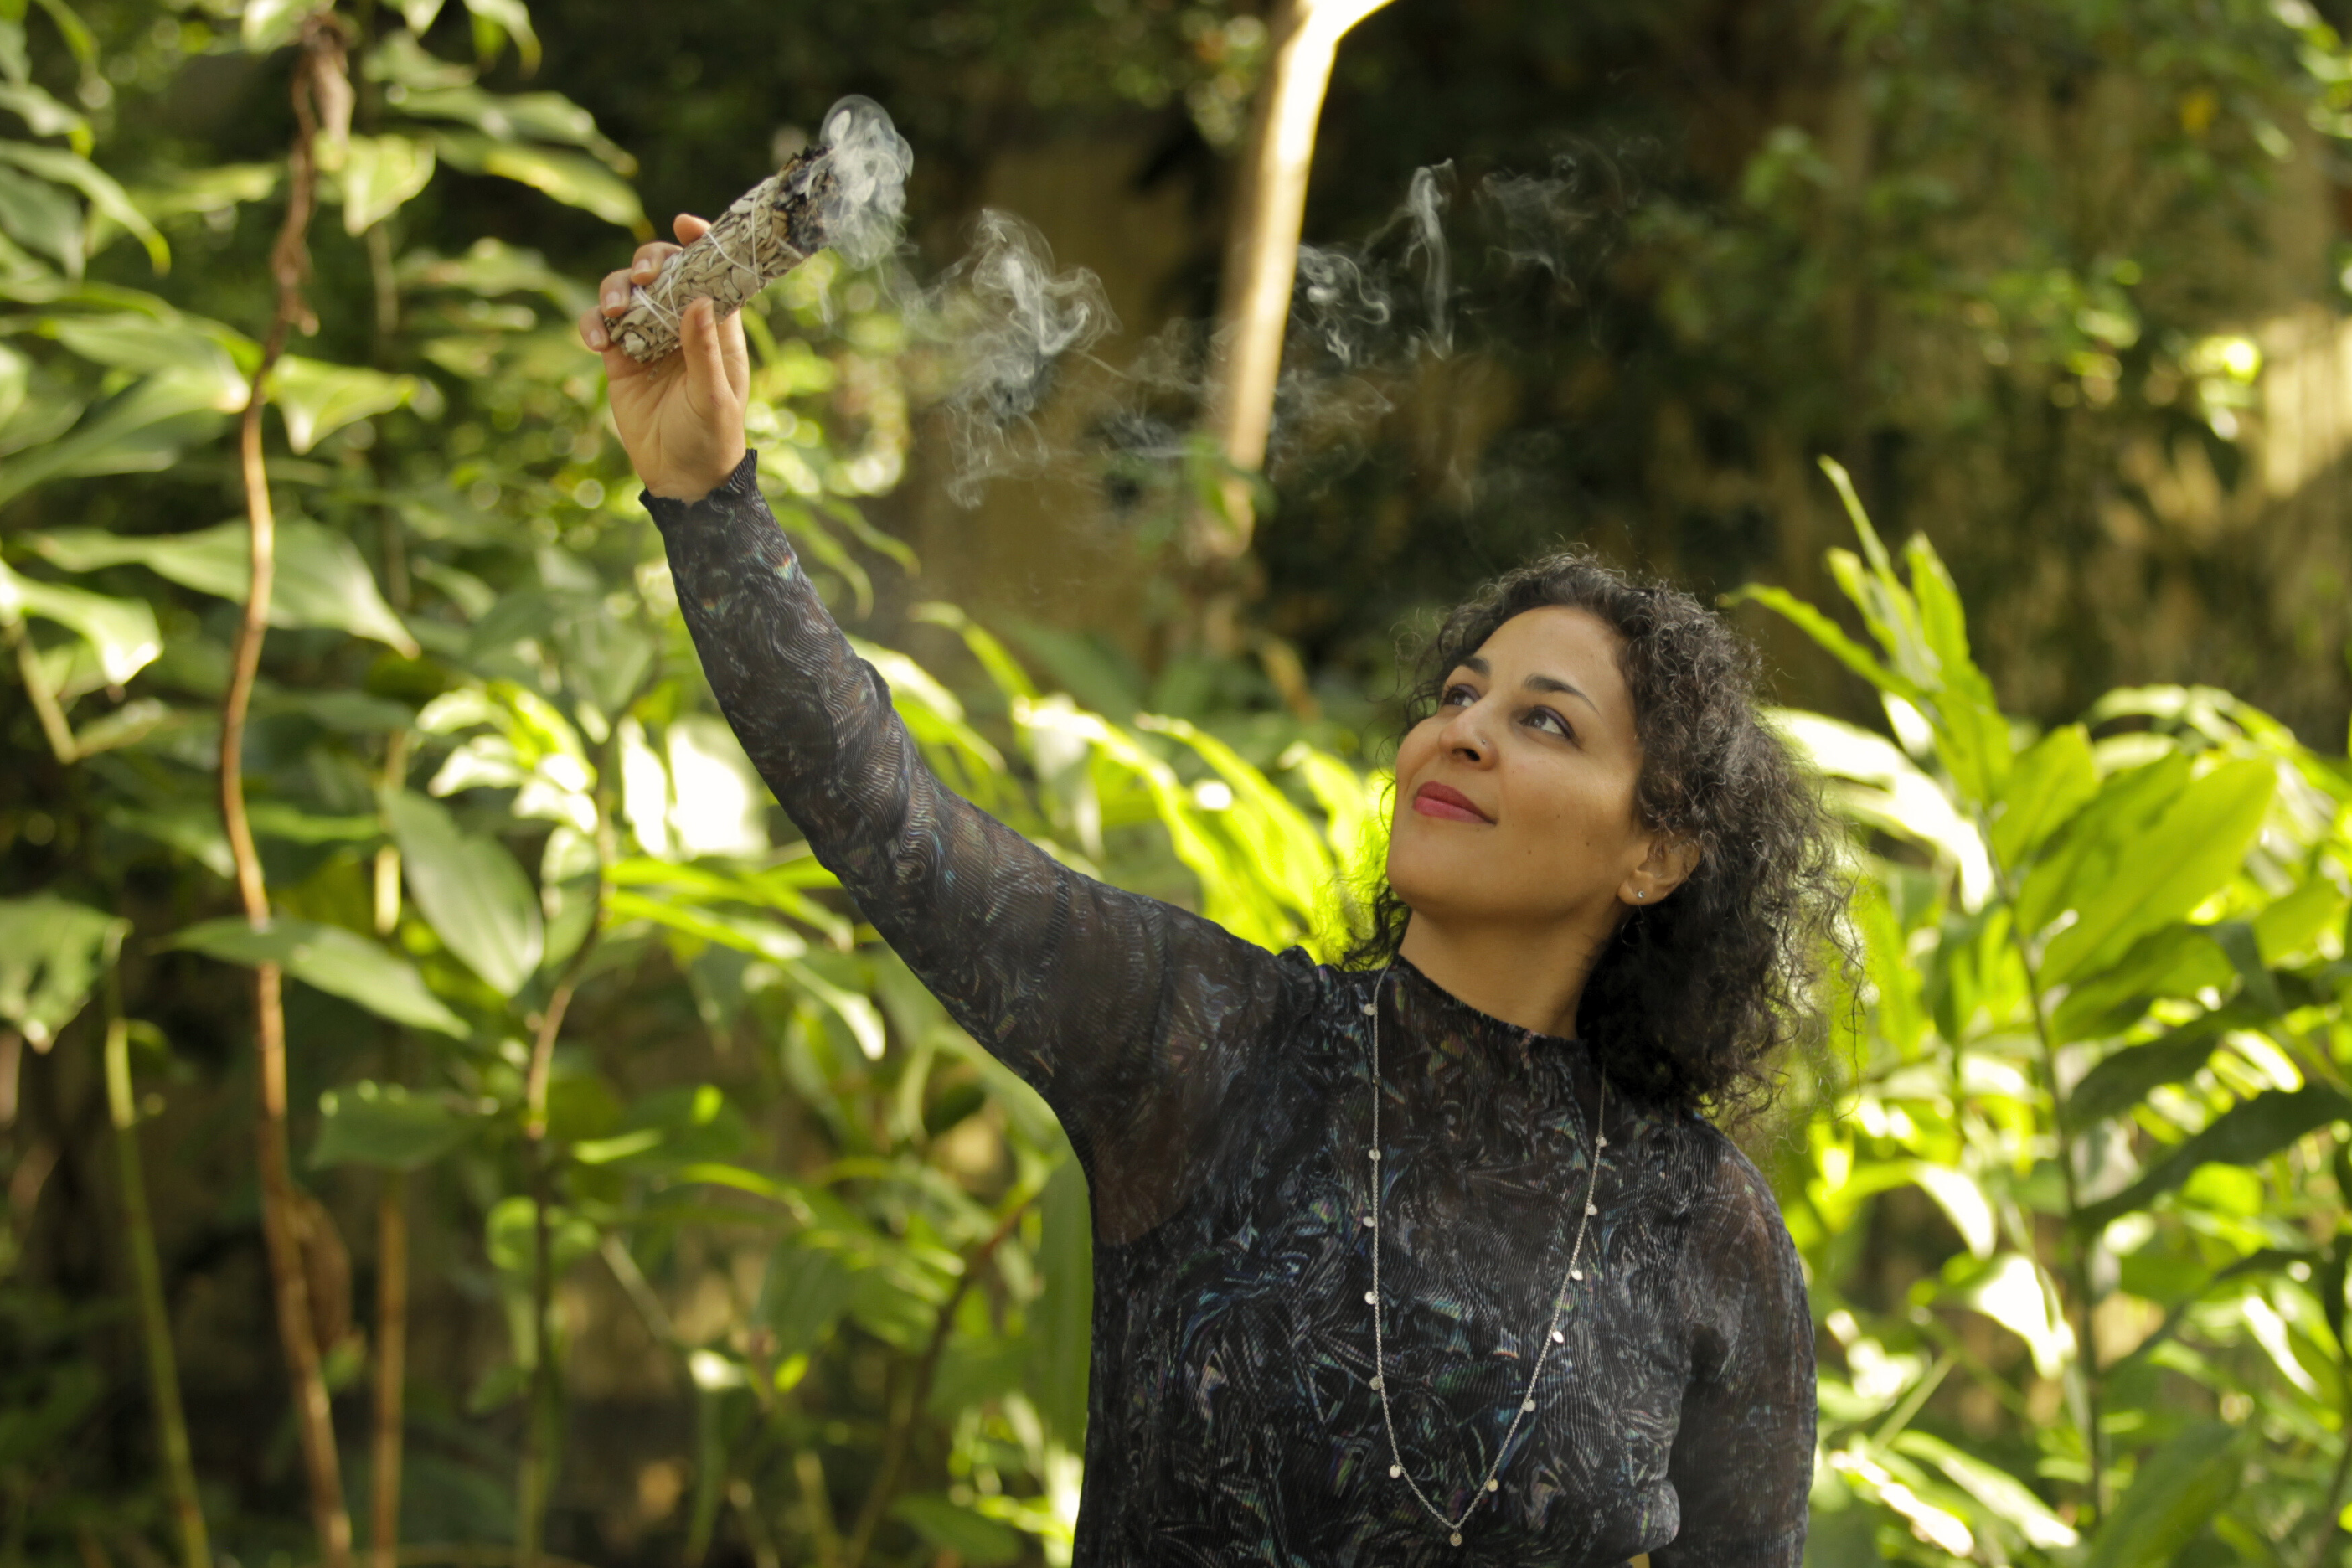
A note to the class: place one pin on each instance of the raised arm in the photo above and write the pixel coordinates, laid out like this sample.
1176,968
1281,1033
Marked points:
1743,1458
1133,1018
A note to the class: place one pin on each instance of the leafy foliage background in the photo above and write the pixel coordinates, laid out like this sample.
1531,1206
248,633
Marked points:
2070,1181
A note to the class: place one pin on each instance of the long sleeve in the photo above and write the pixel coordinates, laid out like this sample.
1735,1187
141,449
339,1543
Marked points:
1742,1463
1133,1018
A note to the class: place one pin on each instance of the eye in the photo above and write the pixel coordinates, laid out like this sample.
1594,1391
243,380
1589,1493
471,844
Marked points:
1546,719
1461,694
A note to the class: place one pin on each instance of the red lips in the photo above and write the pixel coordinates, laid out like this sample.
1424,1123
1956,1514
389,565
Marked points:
1446,800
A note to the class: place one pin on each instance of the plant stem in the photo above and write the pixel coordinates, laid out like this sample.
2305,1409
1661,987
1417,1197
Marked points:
54,726
318,73
391,1247
2076,1248
147,1277
534,1483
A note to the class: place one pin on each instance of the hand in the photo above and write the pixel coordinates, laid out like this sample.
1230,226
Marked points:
680,417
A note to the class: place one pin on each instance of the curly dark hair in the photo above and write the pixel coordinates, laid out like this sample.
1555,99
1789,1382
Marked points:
1697,997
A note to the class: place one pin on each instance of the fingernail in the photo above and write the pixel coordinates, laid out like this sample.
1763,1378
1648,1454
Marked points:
645,269
597,339
614,299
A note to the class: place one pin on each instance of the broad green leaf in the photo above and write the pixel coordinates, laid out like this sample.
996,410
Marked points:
809,1285
504,20
476,896
958,1531
122,632
2125,1078
202,354
1831,638
2015,1294
386,1127
521,116
37,215
2053,779
320,579
2175,1494
2245,1134
269,25
52,952
138,431
687,1125
44,115
381,174
97,187
340,962
2176,960
2140,872
1885,789
573,178
317,399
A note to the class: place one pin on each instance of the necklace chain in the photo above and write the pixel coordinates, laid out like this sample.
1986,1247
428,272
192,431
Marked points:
1552,1335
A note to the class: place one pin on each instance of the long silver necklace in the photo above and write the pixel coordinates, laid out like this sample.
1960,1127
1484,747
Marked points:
1552,1333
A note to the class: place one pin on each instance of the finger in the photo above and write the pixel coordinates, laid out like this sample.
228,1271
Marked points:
708,383
613,293
592,331
650,256
688,227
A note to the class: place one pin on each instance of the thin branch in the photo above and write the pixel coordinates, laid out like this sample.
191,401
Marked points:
320,92
147,1277
54,726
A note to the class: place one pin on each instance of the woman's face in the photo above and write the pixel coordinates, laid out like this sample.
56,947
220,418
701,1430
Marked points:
1515,800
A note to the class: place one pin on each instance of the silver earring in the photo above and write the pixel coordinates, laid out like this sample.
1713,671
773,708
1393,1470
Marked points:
1641,895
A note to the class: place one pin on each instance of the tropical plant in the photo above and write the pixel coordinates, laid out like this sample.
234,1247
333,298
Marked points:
2101,1059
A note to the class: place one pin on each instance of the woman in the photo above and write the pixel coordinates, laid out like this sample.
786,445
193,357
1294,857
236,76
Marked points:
1429,1260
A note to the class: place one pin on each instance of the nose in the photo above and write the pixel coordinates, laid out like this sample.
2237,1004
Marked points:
1465,738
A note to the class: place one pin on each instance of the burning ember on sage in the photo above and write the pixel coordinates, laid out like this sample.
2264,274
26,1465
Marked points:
847,194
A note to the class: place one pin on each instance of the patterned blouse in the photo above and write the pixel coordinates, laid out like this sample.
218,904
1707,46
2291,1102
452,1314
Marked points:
1220,1099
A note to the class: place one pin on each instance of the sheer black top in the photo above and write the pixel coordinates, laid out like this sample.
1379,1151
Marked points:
1219,1097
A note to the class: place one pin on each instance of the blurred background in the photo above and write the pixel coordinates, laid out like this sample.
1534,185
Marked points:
487,1136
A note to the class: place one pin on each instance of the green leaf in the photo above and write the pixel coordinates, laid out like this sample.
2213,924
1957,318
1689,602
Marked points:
2125,1078
140,431
2054,779
981,1542
471,890
509,117
2245,1134
202,355
384,1127
37,215
320,579
381,174
52,952
2176,1493
340,962
504,19
2139,872
64,168
573,178
2008,1497
122,632
1831,638
510,1234
809,1285
317,399
686,1125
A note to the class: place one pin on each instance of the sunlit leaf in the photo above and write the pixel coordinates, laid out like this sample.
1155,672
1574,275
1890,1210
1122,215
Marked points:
340,962
379,175
2053,779
320,579
138,431
478,900
504,19
575,179
2009,1498
122,632
37,213
384,1127
52,952
2245,1134
519,116
64,168
2125,1078
317,399
1065,1311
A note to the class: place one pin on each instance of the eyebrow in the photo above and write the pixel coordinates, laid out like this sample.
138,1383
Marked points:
1478,665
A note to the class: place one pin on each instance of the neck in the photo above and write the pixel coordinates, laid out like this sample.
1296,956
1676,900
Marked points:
1532,979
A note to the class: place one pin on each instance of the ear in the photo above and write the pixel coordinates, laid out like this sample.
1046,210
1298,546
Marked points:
1666,866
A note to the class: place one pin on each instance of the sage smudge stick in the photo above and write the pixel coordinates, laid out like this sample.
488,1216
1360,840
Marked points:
847,194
